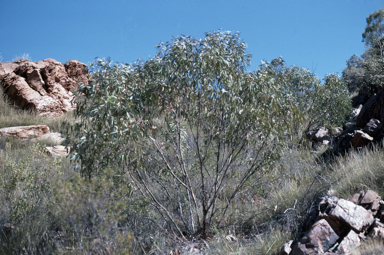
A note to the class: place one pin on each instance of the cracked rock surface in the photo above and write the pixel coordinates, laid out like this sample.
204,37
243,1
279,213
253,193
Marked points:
43,86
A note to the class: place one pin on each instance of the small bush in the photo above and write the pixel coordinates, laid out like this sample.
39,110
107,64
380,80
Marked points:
47,208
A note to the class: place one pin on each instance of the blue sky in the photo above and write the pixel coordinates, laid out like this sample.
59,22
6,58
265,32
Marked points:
317,35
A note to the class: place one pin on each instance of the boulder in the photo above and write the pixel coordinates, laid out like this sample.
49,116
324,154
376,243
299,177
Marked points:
53,138
319,136
373,127
77,71
321,132
349,125
33,133
54,73
377,230
354,216
380,211
18,90
365,197
286,250
368,197
372,109
43,86
355,198
336,131
364,128
318,240
340,225
6,68
355,112
360,139
351,241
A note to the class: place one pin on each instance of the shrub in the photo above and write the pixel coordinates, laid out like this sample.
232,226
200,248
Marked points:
364,73
192,129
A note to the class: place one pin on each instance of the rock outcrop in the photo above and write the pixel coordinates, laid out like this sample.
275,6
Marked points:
365,126
337,225
42,86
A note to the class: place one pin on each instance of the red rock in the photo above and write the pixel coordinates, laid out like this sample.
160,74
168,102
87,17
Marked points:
318,240
369,197
351,241
77,71
353,215
6,68
377,230
355,198
43,85
355,112
54,72
19,91
36,82
372,109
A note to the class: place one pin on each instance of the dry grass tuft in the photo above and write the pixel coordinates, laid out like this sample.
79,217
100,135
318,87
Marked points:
11,116
370,247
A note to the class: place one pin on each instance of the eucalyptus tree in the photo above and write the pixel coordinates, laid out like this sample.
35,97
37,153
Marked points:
188,129
316,103
373,35
364,73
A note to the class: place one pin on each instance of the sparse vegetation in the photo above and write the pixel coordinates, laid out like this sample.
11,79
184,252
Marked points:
22,56
370,247
184,151
11,115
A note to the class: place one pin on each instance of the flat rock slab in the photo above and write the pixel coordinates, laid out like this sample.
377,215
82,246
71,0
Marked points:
25,132
57,151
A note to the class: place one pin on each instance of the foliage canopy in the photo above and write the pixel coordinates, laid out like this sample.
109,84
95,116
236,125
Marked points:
373,35
364,73
191,128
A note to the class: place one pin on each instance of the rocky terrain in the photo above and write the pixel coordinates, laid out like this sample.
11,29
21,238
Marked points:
38,133
336,226
42,86
363,128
